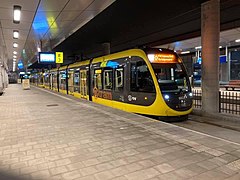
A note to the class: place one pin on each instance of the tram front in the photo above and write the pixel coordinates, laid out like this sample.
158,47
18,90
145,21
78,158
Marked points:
172,78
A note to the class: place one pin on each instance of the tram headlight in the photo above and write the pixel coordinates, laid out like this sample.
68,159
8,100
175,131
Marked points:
166,97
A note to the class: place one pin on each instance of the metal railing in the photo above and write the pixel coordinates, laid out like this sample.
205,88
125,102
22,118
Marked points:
229,101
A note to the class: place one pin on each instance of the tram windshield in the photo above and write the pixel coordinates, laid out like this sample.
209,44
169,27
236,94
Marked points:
171,77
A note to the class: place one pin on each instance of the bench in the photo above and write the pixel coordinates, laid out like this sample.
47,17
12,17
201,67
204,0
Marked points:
233,84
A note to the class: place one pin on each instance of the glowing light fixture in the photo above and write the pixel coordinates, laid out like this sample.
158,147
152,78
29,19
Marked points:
14,56
39,49
15,45
185,52
198,47
16,14
237,40
15,34
166,97
14,59
14,52
151,57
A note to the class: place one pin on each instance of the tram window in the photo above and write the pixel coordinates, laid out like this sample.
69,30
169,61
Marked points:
70,78
141,79
107,76
119,79
76,78
40,79
171,77
46,78
97,79
55,79
62,78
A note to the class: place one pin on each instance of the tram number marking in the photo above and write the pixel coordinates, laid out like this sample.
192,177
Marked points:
131,98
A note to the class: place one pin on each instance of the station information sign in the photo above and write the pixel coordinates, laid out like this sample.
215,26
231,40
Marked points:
50,57
46,57
59,57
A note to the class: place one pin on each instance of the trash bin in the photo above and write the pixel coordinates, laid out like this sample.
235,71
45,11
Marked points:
25,84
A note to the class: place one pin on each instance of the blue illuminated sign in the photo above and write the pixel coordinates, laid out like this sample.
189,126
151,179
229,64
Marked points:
222,59
112,64
20,64
47,57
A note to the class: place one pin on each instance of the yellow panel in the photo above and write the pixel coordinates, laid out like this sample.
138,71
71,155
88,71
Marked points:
63,68
63,91
59,57
78,95
78,64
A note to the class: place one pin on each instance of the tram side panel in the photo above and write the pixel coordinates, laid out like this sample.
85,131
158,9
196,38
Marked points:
123,82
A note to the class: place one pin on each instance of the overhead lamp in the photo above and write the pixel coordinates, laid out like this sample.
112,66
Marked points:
237,40
39,49
14,52
16,14
14,59
185,52
220,46
15,45
14,56
198,47
15,34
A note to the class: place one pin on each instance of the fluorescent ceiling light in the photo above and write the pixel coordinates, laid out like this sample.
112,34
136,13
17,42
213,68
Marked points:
14,59
14,52
15,34
237,40
16,14
185,52
14,56
198,47
15,45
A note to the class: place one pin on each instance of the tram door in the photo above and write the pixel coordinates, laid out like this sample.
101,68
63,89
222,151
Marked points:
83,83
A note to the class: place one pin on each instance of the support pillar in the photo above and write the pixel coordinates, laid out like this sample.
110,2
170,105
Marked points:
210,32
106,48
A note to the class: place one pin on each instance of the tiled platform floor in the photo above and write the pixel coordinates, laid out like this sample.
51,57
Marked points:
47,136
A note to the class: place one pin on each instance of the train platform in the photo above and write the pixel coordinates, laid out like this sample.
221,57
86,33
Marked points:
49,136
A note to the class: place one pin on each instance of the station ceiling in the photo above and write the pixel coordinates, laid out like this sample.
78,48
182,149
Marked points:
80,27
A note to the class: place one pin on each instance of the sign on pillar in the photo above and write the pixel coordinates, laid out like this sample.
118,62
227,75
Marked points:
59,57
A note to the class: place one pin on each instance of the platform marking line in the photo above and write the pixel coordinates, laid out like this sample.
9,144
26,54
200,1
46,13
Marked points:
106,112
